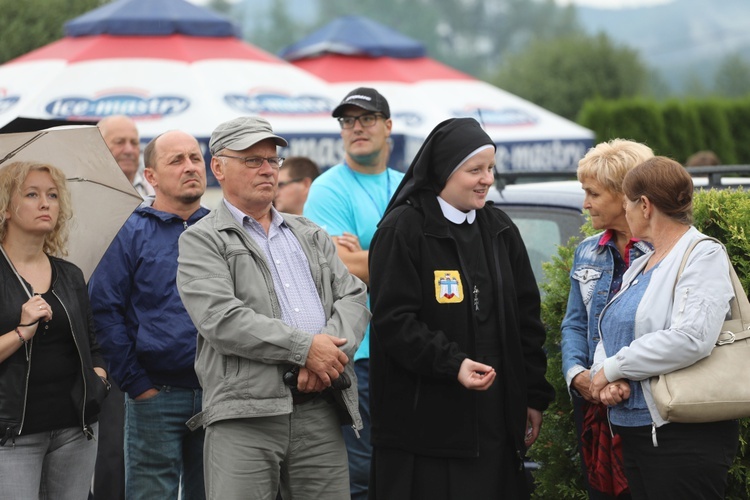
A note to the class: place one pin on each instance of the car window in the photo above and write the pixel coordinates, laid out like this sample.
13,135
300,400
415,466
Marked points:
543,229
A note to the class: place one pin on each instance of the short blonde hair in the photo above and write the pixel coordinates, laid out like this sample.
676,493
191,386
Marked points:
12,177
608,162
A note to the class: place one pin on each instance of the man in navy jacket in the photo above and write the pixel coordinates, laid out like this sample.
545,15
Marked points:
146,335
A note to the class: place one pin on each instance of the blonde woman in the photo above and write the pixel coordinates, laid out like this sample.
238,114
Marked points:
595,277
52,378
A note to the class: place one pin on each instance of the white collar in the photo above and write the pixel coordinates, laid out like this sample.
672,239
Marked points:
455,215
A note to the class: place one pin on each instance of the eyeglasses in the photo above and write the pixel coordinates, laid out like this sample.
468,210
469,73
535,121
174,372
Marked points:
257,161
290,181
366,120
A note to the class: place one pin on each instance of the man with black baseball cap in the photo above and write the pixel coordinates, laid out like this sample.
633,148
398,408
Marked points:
365,98
269,297
348,201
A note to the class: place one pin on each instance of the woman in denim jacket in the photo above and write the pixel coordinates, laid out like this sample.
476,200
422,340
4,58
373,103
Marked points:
595,277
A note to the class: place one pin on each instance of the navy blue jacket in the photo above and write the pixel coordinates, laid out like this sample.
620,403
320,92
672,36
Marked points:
144,332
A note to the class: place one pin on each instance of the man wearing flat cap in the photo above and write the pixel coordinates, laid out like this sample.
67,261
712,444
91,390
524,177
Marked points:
348,201
272,303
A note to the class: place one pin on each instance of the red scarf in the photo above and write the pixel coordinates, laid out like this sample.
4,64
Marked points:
602,453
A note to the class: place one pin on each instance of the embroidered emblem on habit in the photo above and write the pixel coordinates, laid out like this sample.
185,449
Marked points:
448,288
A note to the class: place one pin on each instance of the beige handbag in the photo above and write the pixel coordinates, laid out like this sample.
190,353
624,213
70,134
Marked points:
716,387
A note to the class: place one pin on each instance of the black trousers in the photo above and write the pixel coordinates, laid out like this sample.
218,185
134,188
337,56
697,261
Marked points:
691,461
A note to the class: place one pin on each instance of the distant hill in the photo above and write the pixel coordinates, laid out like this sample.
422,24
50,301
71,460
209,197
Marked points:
684,39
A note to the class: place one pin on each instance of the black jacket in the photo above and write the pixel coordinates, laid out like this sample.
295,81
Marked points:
89,392
418,344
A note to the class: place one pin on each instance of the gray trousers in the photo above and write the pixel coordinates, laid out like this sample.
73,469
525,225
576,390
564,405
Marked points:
52,465
302,454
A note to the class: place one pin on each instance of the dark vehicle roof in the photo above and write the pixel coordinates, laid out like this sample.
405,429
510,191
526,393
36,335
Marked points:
562,194
547,214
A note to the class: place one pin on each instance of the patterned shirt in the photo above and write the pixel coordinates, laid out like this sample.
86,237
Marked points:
620,262
293,283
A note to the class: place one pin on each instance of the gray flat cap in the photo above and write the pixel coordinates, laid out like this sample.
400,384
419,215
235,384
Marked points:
241,133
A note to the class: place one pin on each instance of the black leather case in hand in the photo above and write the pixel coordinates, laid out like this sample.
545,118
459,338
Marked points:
290,379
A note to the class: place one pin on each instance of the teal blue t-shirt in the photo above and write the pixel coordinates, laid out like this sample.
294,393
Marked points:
342,200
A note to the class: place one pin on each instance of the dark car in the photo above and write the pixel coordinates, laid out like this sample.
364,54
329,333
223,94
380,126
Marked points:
548,214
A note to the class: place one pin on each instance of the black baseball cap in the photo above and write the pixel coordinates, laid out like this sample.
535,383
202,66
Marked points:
365,98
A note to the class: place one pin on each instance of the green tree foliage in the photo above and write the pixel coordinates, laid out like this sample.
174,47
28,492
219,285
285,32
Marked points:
723,214
221,6
733,77
275,30
641,120
556,448
715,127
738,118
596,114
675,128
30,24
472,36
682,130
634,119
561,74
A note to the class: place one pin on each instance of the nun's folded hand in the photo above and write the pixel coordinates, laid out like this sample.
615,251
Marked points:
476,376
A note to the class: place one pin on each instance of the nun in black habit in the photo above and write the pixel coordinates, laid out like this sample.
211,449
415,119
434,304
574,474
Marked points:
457,370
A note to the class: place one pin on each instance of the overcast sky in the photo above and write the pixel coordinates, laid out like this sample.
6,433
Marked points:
613,4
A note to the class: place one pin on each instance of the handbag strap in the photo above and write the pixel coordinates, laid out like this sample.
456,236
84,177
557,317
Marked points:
739,305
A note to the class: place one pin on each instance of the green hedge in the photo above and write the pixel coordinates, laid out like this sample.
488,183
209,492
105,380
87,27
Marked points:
682,129
715,127
675,128
722,214
738,119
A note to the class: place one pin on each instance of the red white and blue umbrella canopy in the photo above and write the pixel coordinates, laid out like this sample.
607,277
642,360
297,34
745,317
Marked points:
169,65
353,51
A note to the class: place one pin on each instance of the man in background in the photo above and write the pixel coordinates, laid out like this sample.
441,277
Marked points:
703,158
295,177
121,136
145,333
348,201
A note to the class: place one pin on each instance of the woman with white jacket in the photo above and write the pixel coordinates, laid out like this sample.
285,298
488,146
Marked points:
653,326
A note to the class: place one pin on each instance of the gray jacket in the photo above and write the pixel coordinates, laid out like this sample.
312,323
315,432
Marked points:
243,346
672,329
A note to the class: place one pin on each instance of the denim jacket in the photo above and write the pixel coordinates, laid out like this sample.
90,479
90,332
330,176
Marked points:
590,282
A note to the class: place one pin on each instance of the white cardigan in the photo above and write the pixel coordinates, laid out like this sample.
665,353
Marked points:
672,331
